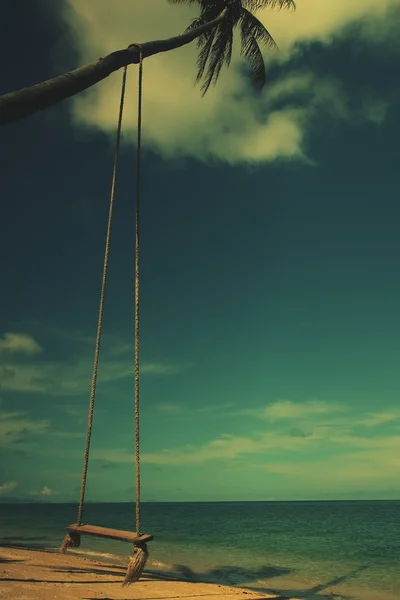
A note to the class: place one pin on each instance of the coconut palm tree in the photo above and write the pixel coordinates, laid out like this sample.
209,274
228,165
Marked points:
215,45
213,29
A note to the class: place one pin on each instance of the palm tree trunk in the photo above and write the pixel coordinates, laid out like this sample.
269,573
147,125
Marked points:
20,104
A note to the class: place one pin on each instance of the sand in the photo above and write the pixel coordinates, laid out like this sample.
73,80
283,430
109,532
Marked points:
37,575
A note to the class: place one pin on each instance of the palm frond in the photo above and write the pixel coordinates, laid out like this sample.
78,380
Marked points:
255,5
228,48
208,13
215,47
183,1
215,4
221,52
251,27
204,44
253,33
251,51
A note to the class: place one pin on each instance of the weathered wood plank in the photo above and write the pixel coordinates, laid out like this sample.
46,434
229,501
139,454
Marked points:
106,532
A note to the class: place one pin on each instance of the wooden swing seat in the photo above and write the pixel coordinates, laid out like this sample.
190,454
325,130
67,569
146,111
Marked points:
112,534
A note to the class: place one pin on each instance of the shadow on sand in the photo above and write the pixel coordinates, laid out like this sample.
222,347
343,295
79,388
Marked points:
314,593
235,576
231,575
10,560
33,543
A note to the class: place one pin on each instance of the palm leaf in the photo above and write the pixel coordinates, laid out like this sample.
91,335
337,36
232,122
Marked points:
204,43
221,52
215,47
251,51
254,5
251,27
253,32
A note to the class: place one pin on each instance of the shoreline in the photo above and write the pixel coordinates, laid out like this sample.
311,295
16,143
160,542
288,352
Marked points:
31,574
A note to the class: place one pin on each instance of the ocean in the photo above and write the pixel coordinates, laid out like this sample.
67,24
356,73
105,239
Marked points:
346,550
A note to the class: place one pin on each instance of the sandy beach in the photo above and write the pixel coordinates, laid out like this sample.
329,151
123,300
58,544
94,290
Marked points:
37,575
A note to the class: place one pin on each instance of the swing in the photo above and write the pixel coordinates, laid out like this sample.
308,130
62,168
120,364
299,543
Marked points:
139,540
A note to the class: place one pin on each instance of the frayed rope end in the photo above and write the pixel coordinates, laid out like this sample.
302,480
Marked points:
71,540
136,564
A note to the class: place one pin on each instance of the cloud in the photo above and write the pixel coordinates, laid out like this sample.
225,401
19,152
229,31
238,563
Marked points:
71,435
79,414
321,21
226,447
23,369
17,427
229,124
71,378
184,412
19,343
8,486
375,110
286,409
376,463
315,462
159,369
169,408
339,450
45,491
19,433
380,418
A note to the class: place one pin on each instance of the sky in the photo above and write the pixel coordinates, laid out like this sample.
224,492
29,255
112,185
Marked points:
270,268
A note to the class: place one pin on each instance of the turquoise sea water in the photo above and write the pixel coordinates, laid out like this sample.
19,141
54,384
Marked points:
348,550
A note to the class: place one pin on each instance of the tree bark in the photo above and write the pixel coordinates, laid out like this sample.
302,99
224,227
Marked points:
19,104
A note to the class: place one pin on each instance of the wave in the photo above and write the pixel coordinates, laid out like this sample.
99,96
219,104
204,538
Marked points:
108,555
158,563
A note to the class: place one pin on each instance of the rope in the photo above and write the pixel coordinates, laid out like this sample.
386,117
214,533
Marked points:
102,298
136,311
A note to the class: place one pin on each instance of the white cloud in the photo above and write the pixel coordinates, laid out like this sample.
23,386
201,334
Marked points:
225,447
66,379
306,462
8,486
227,124
286,409
341,451
33,373
45,491
16,426
316,20
330,434
310,411
19,343
380,418
376,463
159,369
